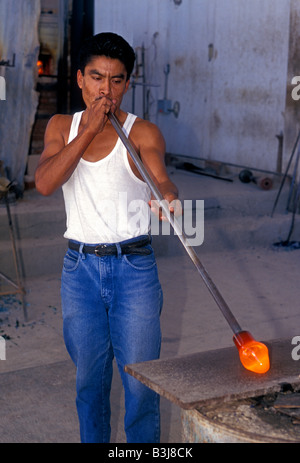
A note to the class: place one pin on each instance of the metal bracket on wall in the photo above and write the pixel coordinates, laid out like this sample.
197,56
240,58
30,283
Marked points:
145,85
165,106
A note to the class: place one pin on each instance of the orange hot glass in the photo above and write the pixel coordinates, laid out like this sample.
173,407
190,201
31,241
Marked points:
40,66
253,354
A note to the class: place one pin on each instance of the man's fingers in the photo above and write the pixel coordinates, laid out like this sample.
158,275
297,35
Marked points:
173,206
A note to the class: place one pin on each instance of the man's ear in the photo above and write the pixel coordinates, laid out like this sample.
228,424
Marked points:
127,86
79,78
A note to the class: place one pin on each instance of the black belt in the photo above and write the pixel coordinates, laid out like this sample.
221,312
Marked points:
136,247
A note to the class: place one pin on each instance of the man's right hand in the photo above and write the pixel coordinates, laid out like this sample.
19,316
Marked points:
97,113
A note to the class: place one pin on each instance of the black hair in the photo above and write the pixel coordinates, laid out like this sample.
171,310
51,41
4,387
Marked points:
107,44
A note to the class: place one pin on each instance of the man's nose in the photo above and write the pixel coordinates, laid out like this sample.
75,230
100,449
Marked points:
105,87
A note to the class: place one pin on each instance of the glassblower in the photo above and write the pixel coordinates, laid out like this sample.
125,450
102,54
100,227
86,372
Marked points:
254,355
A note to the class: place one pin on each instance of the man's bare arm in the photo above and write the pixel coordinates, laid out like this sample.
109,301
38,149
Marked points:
152,151
59,159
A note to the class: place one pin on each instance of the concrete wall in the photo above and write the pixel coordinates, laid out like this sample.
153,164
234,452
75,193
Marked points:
228,70
292,110
19,38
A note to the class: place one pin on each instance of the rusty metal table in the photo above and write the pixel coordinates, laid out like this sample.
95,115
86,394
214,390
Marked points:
214,378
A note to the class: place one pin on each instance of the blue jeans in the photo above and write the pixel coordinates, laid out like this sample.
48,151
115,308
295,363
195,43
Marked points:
111,308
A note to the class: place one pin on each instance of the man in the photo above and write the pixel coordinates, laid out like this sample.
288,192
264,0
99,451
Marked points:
111,295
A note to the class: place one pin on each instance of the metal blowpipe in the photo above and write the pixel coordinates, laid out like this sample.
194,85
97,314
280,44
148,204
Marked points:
253,355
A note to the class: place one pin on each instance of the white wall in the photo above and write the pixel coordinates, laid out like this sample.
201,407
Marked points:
228,70
19,36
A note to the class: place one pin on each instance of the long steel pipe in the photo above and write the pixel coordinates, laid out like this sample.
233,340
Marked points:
234,325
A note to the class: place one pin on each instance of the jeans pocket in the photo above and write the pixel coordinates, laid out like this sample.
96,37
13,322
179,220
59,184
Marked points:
141,262
71,260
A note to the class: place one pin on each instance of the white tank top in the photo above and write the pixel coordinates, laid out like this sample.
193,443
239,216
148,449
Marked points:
105,202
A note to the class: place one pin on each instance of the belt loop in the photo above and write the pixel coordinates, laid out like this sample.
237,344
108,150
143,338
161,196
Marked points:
119,250
80,250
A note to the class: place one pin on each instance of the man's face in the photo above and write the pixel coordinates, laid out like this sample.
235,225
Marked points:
103,77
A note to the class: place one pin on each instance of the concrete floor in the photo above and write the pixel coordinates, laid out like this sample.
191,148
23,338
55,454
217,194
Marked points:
260,285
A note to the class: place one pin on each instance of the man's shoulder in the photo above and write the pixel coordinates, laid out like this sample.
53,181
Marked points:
61,119
60,123
143,125
145,133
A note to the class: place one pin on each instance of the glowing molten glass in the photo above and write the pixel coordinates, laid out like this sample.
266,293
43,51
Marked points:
253,354
40,66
